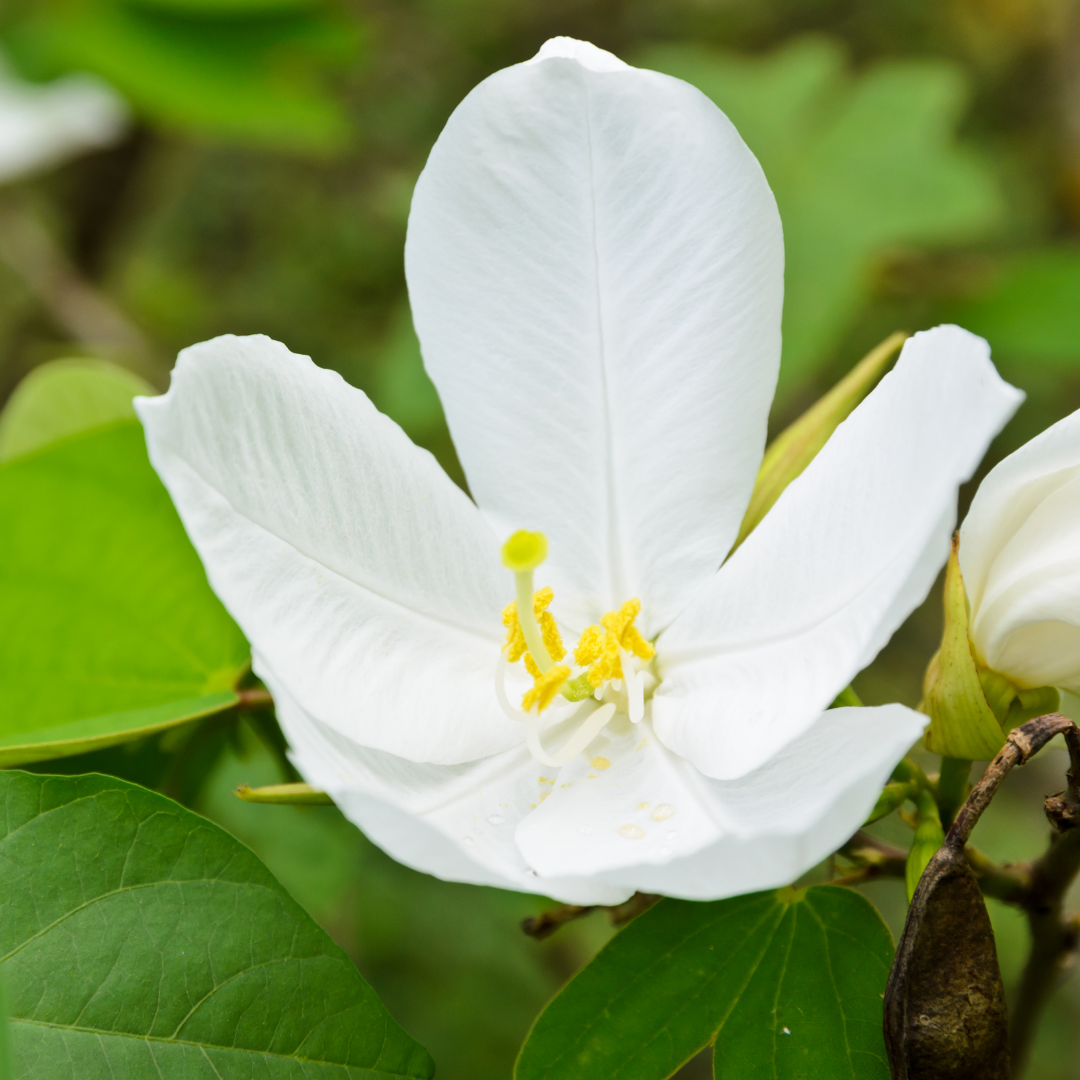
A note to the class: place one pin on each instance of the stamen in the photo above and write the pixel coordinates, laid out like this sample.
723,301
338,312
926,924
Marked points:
500,690
573,746
545,688
635,688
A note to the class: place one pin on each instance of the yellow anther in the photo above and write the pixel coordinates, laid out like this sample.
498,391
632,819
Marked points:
621,624
516,646
548,630
590,646
515,640
545,688
531,668
524,551
598,647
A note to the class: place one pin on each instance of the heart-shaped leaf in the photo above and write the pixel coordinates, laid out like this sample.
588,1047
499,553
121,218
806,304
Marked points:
138,939
109,628
784,985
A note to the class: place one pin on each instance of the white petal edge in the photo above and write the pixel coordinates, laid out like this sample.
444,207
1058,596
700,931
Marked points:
43,125
595,265
455,822
838,563
1020,558
767,828
368,584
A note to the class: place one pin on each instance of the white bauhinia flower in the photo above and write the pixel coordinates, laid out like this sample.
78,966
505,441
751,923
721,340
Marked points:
1020,559
42,125
595,267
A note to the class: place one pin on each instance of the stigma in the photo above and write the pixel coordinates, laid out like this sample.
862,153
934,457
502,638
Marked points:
613,661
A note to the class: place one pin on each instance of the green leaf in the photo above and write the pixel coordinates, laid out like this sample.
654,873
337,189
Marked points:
402,388
181,955
785,984
63,397
858,165
5,1041
109,628
1031,310
252,80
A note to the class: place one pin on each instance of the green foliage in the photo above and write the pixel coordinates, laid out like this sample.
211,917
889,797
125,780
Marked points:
109,626
858,166
1031,309
64,397
5,1041
246,70
449,960
402,389
783,984
181,955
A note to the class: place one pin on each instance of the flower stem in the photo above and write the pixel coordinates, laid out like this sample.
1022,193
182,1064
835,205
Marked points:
952,787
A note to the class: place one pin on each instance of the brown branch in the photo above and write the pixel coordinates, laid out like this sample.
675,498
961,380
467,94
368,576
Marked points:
76,306
1054,935
547,922
255,697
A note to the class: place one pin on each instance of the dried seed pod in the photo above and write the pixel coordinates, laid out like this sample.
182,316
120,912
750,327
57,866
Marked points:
945,1015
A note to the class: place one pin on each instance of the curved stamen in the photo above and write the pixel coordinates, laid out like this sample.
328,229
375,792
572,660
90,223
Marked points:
635,687
593,725
500,691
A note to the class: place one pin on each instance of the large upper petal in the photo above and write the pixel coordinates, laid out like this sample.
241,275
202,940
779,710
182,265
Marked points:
1020,557
595,265
847,552
368,584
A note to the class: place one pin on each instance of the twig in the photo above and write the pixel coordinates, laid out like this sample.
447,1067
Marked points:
80,309
1054,936
547,922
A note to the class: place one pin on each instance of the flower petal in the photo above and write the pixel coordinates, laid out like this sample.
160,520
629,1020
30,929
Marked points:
41,126
367,583
838,563
595,266
453,821
652,823
1020,557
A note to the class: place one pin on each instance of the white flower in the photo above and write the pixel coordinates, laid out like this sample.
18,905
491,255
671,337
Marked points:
595,266
1020,559
43,125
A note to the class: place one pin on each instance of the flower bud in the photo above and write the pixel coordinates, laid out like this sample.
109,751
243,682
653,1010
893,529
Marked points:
971,707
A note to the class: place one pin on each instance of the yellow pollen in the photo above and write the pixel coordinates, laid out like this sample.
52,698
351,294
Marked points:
545,688
515,647
598,647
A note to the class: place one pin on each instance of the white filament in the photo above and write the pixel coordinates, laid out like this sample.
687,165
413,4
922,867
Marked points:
635,687
590,728
500,691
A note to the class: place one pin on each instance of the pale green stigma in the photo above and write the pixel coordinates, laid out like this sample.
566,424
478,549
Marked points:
524,551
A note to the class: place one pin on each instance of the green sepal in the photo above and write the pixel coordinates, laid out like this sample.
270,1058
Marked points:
1031,703
962,723
929,836
893,796
284,795
799,443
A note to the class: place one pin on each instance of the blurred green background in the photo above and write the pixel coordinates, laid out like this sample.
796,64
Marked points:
925,155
